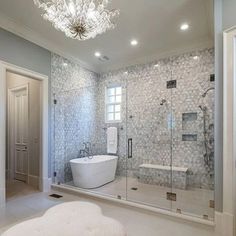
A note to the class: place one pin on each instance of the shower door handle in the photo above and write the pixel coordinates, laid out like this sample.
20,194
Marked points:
130,148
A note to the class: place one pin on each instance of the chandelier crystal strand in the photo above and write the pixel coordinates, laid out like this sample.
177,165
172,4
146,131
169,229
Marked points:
79,19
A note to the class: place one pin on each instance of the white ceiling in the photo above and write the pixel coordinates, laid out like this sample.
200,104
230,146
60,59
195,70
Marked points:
154,23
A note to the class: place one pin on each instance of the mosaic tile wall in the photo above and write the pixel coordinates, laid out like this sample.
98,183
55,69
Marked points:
149,123
178,179
158,131
74,115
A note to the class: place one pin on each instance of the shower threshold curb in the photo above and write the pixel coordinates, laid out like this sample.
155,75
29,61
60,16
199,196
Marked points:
76,191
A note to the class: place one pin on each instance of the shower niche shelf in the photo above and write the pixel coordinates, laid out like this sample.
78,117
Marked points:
189,137
189,121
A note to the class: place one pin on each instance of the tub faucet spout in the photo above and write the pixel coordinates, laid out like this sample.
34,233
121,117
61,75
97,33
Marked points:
86,151
83,153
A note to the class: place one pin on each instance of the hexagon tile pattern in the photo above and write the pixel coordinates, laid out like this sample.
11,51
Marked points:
157,130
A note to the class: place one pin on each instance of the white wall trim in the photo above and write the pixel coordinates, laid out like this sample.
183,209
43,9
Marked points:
224,224
44,181
229,134
45,184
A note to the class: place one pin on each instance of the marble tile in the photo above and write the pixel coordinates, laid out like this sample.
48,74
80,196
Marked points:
194,201
79,115
157,130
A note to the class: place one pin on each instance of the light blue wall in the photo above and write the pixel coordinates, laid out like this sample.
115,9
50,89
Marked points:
229,13
20,52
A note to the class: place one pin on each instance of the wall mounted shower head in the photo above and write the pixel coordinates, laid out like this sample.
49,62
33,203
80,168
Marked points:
204,94
163,101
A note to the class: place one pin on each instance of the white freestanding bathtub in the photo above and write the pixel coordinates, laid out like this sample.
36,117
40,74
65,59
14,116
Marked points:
93,172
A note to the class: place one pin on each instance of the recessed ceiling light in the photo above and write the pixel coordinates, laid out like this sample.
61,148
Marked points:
97,54
134,42
156,65
65,64
184,27
195,57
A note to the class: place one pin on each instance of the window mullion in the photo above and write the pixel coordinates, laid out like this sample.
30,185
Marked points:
111,114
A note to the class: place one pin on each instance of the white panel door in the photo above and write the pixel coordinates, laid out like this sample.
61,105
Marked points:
19,104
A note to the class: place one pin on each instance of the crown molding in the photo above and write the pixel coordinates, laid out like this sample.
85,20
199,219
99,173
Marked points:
27,33
207,43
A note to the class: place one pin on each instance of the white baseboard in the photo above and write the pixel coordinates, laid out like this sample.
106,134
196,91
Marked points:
33,181
224,224
45,184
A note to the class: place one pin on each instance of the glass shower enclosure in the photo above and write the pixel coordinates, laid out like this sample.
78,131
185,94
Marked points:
165,132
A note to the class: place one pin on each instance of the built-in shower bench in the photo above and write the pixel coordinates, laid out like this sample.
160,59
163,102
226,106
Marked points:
161,175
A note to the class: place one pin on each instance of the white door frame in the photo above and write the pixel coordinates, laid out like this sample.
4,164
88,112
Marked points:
229,134
44,180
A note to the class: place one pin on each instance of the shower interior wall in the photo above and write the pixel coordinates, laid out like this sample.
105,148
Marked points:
163,134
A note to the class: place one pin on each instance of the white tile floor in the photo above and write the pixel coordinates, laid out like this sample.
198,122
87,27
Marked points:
137,223
193,202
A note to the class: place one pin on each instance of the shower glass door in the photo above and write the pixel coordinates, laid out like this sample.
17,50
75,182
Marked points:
149,136
193,134
78,121
170,134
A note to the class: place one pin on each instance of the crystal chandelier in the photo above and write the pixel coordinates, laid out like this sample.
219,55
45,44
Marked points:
79,19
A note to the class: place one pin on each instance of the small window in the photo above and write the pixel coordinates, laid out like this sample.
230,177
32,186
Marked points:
113,104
